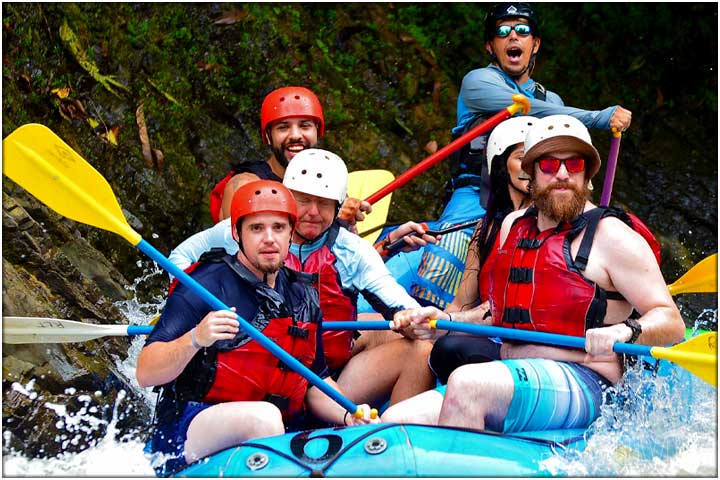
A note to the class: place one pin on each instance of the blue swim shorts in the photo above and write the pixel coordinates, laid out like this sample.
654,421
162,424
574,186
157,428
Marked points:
551,395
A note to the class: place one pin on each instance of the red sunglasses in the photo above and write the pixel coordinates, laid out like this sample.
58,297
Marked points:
551,165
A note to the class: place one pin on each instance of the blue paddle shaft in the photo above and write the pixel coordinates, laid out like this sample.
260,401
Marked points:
139,329
327,326
255,334
537,337
354,325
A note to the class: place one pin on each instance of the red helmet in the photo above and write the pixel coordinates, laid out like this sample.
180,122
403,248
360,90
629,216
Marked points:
263,196
289,102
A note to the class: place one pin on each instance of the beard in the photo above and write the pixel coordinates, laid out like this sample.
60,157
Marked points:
268,267
280,152
559,208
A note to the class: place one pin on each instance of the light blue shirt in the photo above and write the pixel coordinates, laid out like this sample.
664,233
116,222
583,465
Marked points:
489,90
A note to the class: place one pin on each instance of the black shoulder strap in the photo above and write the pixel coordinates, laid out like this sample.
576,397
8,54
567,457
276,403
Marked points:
214,255
261,169
592,218
540,92
332,234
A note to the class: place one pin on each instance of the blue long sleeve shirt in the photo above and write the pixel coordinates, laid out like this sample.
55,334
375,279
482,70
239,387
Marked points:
488,90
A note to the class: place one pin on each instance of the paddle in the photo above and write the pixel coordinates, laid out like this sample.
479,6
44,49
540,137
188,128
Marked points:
18,330
55,330
399,244
42,163
702,278
612,164
520,103
361,184
698,355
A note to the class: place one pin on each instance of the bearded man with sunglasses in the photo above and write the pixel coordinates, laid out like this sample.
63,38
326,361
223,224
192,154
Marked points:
512,39
562,266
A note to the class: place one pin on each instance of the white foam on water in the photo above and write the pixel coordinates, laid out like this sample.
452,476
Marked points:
663,429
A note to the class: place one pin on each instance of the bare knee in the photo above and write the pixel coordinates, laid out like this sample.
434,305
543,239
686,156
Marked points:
464,386
394,414
266,420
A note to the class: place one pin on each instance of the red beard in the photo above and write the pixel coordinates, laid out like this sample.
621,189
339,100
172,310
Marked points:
560,208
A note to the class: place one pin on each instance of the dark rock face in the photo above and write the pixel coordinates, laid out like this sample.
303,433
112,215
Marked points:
50,271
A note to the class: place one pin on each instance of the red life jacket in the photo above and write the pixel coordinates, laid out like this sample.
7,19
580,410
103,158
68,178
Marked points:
243,370
335,302
250,372
261,169
536,285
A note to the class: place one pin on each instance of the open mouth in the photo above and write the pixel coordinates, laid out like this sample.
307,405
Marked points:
514,53
296,147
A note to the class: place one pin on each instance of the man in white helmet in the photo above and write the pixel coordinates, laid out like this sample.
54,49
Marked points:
346,265
562,266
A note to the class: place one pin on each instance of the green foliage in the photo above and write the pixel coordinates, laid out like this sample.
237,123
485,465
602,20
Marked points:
388,76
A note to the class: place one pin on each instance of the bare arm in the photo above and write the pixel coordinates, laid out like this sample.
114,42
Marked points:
162,362
231,187
327,409
626,263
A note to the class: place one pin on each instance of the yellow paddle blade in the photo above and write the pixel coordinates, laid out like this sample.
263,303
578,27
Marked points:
40,162
702,278
362,184
698,355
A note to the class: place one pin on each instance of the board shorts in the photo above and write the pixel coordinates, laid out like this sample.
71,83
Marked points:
552,395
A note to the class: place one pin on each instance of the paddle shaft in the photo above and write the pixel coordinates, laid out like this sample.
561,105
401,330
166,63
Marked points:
255,334
555,339
452,147
612,166
398,244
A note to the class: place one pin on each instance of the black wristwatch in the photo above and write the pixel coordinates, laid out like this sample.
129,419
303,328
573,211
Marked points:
635,327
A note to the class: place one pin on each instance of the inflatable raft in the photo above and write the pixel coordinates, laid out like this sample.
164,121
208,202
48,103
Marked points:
410,450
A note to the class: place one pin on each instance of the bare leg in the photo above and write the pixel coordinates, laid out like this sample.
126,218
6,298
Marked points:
370,375
227,424
478,394
416,376
423,408
372,338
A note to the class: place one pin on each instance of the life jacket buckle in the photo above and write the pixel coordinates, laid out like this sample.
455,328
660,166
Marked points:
298,332
283,403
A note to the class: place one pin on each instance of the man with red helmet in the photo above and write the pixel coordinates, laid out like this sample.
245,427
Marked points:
291,120
219,386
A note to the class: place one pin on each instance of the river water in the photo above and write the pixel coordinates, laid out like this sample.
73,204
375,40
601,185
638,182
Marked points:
662,429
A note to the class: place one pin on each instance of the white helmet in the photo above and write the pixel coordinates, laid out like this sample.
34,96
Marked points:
560,133
508,133
317,172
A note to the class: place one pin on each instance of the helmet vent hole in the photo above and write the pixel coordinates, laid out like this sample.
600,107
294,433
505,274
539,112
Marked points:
567,126
550,127
257,192
304,172
297,97
319,175
274,191
282,99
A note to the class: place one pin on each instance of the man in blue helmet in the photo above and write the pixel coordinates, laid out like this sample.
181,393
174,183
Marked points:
512,39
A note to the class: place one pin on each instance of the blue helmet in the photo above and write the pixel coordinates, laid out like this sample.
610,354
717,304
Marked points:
501,11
